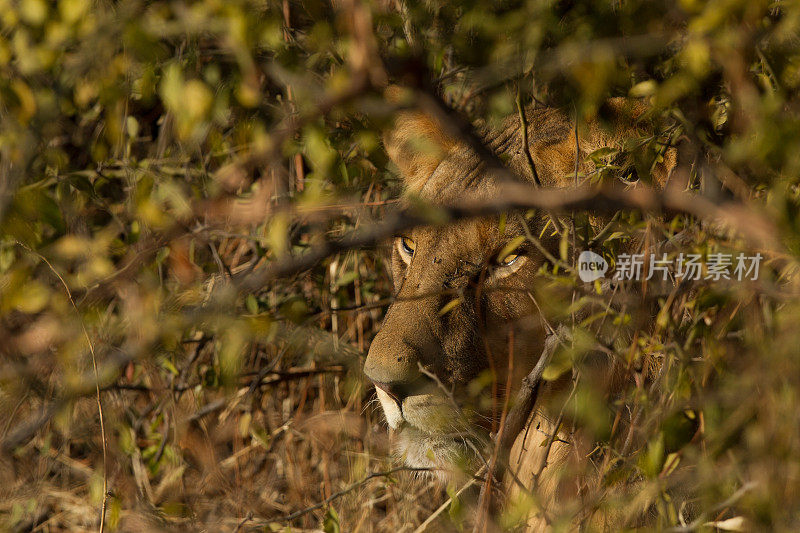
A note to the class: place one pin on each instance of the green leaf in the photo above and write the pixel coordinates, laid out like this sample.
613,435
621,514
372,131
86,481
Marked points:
559,364
643,88
449,306
651,461
251,304
330,523
346,279
563,246
511,246
162,254
601,153
456,509
168,366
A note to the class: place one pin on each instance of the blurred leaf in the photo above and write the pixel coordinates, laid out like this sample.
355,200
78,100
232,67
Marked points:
330,522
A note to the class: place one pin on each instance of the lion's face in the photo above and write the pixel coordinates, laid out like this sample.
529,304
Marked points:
465,312
462,310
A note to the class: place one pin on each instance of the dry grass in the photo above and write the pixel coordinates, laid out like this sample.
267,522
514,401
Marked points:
154,153
185,454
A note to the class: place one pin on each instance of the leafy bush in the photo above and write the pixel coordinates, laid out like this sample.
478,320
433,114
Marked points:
176,178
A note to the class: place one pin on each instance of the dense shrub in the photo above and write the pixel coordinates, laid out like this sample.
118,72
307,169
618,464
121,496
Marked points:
172,175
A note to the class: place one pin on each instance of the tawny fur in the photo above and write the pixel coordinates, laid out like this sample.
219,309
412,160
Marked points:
472,336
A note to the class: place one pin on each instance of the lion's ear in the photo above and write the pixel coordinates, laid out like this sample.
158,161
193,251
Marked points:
415,143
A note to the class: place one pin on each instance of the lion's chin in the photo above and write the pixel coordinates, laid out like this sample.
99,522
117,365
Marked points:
432,435
448,458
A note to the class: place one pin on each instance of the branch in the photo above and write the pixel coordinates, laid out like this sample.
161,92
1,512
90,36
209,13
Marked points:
756,228
525,401
512,425
350,488
106,375
439,510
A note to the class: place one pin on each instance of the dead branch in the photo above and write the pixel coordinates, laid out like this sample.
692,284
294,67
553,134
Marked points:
757,229
514,422
525,401
107,373
113,368
346,490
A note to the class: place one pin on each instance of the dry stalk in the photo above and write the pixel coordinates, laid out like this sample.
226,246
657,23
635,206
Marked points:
96,381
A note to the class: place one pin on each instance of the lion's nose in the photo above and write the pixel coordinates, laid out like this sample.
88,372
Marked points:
395,354
393,368
391,361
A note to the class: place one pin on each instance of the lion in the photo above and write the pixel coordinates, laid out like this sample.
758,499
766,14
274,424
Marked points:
463,306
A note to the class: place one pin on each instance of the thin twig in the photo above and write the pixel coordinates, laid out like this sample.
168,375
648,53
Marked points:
96,381
439,510
603,233
699,521
554,435
523,120
113,365
348,489
498,459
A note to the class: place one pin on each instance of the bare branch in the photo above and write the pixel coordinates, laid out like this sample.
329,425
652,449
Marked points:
346,490
518,196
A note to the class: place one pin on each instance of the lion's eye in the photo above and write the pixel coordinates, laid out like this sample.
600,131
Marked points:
508,260
406,246
510,253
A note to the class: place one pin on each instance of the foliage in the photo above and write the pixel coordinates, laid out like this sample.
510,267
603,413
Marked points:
156,154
